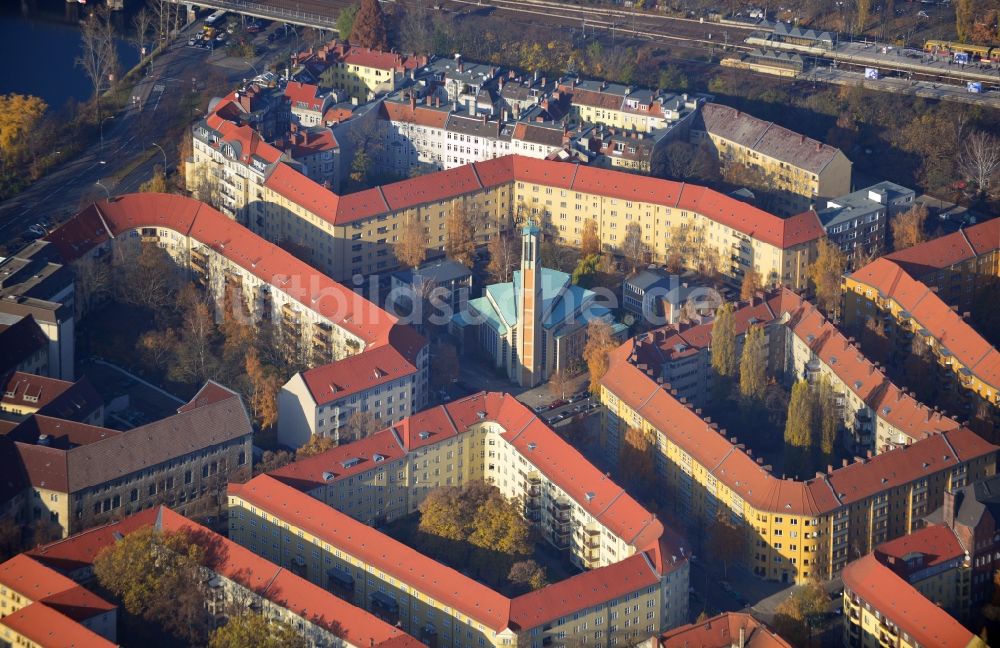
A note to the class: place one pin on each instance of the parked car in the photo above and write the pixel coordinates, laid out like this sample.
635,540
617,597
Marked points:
192,42
557,403
221,38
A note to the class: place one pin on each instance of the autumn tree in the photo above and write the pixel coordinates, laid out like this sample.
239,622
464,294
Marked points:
828,418
157,347
723,346
460,235
99,59
864,13
528,575
590,240
444,364
317,444
795,617
726,541
825,275
196,360
503,250
751,284
345,21
252,630
19,118
156,575
368,28
157,183
799,425
410,247
600,343
753,364
963,19
908,227
263,390
635,459
633,248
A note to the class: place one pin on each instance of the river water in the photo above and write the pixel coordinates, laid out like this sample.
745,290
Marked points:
39,40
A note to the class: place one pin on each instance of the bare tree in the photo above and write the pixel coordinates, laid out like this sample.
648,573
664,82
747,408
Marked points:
503,251
98,58
142,23
980,159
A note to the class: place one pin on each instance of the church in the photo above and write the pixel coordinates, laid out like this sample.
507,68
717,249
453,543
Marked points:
536,324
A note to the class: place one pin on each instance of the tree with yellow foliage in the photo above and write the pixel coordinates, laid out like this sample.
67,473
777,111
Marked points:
600,343
19,115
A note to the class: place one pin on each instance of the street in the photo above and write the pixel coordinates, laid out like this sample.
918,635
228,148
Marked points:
134,133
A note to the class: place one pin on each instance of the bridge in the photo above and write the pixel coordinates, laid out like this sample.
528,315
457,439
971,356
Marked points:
305,14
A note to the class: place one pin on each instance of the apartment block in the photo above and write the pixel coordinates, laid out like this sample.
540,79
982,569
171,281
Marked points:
933,561
42,608
233,576
921,291
37,295
317,319
320,510
361,72
876,414
795,530
383,382
804,171
623,107
973,514
857,222
881,608
78,475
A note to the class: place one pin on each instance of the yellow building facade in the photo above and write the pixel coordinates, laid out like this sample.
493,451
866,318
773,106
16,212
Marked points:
636,586
794,531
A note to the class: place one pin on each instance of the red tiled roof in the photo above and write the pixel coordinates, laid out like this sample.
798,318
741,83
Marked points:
932,545
267,261
239,564
247,142
356,373
608,503
29,390
723,631
903,605
420,114
46,627
943,324
31,579
951,249
210,392
760,488
305,94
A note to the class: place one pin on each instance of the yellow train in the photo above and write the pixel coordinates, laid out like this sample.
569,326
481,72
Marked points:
975,52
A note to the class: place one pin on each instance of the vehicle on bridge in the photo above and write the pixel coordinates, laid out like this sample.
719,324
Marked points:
975,52
215,17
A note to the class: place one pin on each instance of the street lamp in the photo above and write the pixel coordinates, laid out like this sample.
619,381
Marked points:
102,134
99,184
164,157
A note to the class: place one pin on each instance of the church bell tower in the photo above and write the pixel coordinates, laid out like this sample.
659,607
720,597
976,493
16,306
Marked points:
529,338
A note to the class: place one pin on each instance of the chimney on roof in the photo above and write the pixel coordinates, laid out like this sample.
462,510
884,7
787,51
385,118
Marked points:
868,454
844,463
802,138
951,501
819,146
760,461
413,102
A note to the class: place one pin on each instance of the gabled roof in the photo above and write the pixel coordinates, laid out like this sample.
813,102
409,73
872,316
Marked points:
922,304
723,631
898,601
378,366
928,547
639,389
105,455
949,250
543,449
266,579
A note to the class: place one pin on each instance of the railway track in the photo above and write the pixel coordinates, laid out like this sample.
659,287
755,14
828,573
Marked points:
649,27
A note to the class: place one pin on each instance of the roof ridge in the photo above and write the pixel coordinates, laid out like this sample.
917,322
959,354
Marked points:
947,442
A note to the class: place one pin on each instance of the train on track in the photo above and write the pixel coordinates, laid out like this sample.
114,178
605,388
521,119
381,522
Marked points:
974,52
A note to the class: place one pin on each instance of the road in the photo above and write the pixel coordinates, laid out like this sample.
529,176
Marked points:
128,135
